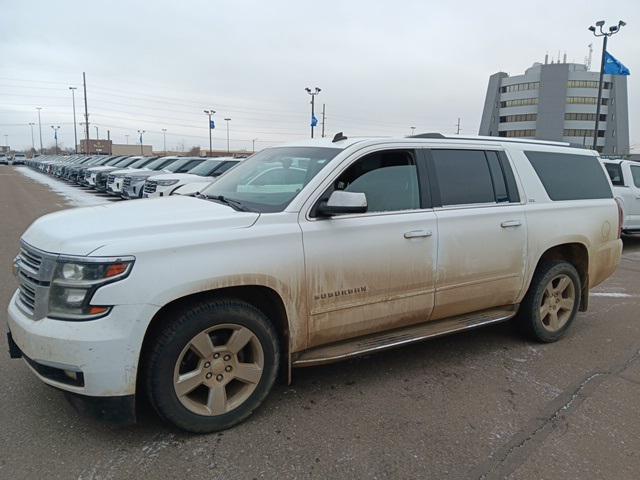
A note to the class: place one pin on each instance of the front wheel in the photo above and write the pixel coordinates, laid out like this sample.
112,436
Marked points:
212,366
551,304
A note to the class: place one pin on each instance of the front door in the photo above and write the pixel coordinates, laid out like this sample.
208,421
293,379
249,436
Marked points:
372,272
633,210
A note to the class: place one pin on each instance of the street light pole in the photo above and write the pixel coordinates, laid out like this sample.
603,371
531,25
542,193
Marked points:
33,146
253,145
210,114
605,36
127,137
228,147
55,136
97,132
313,106
140,132
75,130
40,128
164,141
86,114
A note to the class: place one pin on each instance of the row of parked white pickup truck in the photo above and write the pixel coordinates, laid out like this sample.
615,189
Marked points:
136,176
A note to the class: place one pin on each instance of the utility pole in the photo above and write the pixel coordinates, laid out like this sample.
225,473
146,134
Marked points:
140,132
97,132
323,117
605,36
164,141
313,94
86,114
458,127
127,137
253,145
40,128
75,131
55,136
33,146
211,124
228,147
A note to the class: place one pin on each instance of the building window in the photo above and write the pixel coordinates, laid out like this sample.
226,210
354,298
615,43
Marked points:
587,84
518,133
524,117
581,132
587,100
518,87
519,102
591,117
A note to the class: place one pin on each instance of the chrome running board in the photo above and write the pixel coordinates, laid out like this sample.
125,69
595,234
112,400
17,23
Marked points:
403,336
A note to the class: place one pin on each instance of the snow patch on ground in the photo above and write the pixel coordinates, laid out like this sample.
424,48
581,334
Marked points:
73,195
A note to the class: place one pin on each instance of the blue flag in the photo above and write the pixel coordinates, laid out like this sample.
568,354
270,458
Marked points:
314,121
613,66
212,125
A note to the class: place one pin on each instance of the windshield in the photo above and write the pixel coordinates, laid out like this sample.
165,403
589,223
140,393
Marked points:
205,167
183,165
158,163
270,179
139,162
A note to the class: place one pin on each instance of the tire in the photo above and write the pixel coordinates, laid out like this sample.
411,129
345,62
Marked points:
185,374
555,287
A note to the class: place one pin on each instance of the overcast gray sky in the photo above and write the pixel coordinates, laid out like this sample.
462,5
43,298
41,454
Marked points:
382,66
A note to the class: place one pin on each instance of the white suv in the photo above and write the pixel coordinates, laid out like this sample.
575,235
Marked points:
625,177
306,254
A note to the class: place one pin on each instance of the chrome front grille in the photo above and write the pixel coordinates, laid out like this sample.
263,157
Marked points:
150,186
111,179
34,270
126,183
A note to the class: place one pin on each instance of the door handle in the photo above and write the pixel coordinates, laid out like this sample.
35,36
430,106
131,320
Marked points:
417,233
511,223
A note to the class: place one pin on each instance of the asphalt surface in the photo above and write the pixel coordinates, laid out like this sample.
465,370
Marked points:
483,404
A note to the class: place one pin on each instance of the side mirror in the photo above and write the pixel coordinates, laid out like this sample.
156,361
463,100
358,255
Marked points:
341,202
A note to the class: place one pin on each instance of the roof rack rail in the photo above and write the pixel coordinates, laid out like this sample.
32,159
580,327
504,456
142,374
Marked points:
427,135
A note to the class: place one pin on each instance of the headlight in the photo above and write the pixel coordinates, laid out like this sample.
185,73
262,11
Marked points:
166,183
75,282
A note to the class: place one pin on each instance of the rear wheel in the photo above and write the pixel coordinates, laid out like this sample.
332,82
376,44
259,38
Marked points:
212,367
552,301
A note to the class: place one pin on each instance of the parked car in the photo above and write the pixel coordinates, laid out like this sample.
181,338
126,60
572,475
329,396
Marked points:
4,160
625,177
91,173
167,183
19,159
133,183
199,303
115,178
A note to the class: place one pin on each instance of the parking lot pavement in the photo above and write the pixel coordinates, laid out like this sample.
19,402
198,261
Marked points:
482,404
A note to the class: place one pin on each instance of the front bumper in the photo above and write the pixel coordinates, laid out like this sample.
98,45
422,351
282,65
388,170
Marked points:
133,190
161,191
104,352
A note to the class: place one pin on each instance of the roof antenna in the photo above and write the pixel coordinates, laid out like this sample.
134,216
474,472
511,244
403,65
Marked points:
337,137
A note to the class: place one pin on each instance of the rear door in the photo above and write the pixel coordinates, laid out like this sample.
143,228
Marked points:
481,230
633,209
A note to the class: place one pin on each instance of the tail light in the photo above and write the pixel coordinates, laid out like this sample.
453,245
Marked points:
620,216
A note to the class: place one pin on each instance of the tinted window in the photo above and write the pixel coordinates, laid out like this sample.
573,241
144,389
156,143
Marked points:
184,165
568,176
497,177
615,173
224,167
463,177
635,173
389,179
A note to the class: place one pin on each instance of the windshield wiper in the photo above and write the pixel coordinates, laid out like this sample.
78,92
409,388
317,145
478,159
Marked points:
235,204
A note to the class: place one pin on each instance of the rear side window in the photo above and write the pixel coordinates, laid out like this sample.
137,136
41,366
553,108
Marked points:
635,173
615,173
567,176
463,177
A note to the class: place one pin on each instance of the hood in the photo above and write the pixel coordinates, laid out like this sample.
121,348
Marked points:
183,177
80,231
127,171
191,189
144,173
99,168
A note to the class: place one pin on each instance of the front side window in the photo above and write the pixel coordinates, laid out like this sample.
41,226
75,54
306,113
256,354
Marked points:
388,178
270,179
615,173
635,173
463,177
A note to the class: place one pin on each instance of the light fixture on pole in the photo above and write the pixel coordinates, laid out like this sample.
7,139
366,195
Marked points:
314,120
33,146
228,147
75,130
40,127
55,136
212,125
164,140
141,132
605,36
413,130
